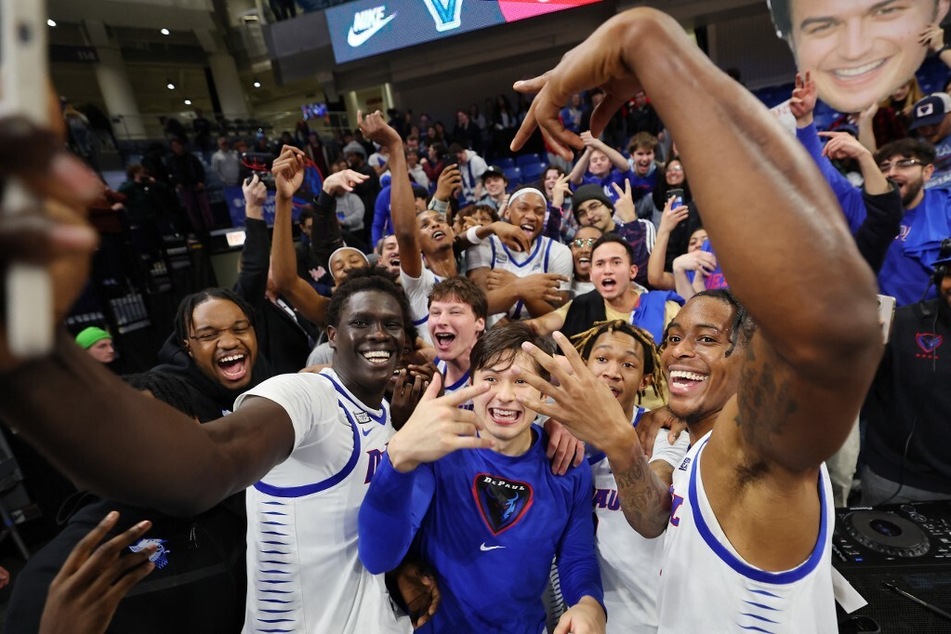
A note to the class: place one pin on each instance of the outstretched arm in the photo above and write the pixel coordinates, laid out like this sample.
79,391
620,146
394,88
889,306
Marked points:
121,444
810,363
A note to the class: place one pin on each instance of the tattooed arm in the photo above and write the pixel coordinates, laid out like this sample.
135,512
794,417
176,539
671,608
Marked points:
644,491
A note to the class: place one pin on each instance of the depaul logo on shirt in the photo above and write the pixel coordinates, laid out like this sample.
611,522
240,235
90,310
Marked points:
367,23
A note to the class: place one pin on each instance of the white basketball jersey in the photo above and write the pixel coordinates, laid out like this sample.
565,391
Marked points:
417,291
545,256
705,586
304,574
630,563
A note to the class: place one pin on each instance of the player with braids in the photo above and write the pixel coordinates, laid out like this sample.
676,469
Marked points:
625,358
584,342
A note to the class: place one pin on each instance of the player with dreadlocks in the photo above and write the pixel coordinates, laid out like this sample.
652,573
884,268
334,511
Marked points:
625,358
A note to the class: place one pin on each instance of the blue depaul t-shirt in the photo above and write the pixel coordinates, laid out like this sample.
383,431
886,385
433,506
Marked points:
489,525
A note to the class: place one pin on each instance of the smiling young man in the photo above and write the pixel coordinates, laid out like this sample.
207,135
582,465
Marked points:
859,51
783,398
625,359
308,444
489,520
457,314
527,284
615,296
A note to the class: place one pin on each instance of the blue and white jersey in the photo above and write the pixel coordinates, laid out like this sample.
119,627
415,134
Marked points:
304,574
725,592
545,256
417,291
630,563
463,382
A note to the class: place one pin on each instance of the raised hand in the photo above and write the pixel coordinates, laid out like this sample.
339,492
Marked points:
376,129
288,170
597,62
672,216
449,181
624,205
437,427
803,101
255,194
580,401
559,191
408,390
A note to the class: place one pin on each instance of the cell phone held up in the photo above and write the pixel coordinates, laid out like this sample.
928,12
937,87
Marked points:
677,195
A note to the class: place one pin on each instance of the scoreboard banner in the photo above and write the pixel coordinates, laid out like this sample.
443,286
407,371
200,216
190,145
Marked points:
370,27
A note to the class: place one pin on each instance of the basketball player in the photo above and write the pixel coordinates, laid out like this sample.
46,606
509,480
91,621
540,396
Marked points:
625,359
780,400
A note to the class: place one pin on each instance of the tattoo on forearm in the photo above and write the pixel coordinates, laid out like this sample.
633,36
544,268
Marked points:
644,498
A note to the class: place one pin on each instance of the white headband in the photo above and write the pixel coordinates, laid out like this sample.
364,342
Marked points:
526,190
334,254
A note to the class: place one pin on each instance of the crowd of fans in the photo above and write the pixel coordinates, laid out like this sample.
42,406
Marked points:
428,238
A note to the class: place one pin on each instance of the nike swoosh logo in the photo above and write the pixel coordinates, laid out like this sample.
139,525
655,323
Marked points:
358,39
366,432
485,548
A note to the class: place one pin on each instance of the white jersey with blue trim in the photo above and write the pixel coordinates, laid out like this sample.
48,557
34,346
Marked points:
630,563
461,383
545,256
417,291
706,586
304,574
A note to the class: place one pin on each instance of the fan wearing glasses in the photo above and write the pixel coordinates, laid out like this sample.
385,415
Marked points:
892,202
581,247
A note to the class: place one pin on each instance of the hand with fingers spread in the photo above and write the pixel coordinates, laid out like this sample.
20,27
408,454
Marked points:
288,170
581,402
804,98
84,595
437,427
624,205
343,181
